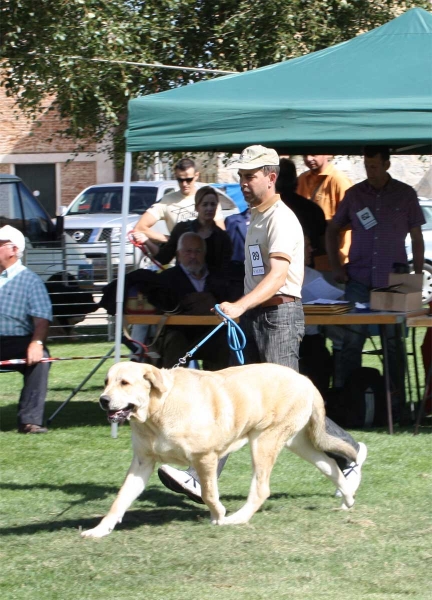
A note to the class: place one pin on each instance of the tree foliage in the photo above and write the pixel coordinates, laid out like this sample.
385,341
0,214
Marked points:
40,40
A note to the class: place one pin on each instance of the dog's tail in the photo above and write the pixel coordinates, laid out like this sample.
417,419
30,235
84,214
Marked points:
319,436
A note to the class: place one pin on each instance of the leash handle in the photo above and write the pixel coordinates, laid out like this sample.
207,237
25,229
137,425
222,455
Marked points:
234,331
144,250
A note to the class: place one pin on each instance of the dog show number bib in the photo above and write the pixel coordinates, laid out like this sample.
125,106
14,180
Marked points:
256,260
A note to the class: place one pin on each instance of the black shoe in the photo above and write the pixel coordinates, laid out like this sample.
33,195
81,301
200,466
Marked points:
30,428
180,482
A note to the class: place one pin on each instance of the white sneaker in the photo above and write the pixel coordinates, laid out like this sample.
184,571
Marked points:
180,482
353,472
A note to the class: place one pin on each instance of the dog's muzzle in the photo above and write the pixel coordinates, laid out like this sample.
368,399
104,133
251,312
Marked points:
115,416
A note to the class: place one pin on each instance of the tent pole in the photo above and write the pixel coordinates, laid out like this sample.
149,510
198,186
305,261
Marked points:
122,266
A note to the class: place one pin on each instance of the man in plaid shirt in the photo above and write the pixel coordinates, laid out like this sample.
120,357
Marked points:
25,315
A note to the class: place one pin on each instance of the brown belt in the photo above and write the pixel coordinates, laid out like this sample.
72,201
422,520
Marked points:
279,299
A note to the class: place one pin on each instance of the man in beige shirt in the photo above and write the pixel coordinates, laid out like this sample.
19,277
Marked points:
272,311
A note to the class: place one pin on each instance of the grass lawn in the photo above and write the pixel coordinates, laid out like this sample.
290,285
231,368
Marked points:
297,547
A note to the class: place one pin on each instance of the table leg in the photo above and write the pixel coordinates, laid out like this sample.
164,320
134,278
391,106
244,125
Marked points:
416,368
423,402
406,405
386,377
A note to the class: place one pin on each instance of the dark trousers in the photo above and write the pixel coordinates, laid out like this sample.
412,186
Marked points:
315,361
353,342
32,399
175,341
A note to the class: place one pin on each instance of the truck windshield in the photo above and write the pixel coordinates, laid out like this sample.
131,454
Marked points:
109,200
19,208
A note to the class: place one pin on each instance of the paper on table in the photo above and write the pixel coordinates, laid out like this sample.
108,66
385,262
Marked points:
318,289
325,301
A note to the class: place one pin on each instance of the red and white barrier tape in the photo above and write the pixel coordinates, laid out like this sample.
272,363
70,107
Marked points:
23,361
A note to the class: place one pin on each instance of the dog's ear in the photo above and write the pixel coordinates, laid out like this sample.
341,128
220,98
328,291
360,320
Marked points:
154,375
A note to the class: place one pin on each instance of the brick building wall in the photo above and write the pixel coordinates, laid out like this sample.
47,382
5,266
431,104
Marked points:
75,177
37,142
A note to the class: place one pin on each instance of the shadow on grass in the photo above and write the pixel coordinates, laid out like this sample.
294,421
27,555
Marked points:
87,388
167,507
132,520
73,414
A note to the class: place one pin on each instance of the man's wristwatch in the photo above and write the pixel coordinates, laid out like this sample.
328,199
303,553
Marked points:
37,342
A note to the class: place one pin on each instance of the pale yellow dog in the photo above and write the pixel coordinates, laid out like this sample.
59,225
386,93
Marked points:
195,418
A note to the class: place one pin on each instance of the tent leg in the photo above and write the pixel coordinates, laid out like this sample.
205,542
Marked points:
81,385
122,267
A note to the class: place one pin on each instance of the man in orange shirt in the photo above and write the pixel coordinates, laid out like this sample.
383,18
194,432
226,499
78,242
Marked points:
326,186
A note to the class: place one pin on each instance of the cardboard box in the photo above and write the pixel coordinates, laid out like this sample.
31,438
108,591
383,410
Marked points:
404,294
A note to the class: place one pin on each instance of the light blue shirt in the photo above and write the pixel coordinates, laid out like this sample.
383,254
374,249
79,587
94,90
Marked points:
23,296
11,272
199,284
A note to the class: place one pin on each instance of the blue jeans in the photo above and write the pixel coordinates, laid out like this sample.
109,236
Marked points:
354,339
355,335
273,334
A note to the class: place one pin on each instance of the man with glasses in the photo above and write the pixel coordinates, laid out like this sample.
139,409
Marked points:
175,207
25,315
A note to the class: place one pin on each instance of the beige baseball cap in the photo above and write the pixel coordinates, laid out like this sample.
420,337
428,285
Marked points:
255,157
10,234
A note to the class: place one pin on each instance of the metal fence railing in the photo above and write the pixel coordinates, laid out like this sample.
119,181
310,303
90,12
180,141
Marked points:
75,280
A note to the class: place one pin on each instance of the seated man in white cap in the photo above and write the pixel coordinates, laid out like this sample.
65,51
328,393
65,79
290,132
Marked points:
25,315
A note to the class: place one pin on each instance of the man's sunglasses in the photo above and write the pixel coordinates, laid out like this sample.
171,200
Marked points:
185,179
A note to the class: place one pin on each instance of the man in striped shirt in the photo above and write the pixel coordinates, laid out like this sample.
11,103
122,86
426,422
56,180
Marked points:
25,315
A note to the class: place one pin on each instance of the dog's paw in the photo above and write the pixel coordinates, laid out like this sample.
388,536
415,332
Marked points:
346,505
218,519
237,518
97,532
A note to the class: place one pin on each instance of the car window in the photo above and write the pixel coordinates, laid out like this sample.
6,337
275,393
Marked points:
142,198
427,211
109,201
99,200
10,207
37,223
19,208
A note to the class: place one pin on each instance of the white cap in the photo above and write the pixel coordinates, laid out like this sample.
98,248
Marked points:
10,234
255,157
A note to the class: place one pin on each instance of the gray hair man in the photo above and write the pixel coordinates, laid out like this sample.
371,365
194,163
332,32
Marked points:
25,315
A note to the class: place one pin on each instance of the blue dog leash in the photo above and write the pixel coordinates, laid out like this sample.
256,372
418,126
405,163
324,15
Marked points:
233,333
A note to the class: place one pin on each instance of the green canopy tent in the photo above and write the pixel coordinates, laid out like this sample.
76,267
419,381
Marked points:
375,88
